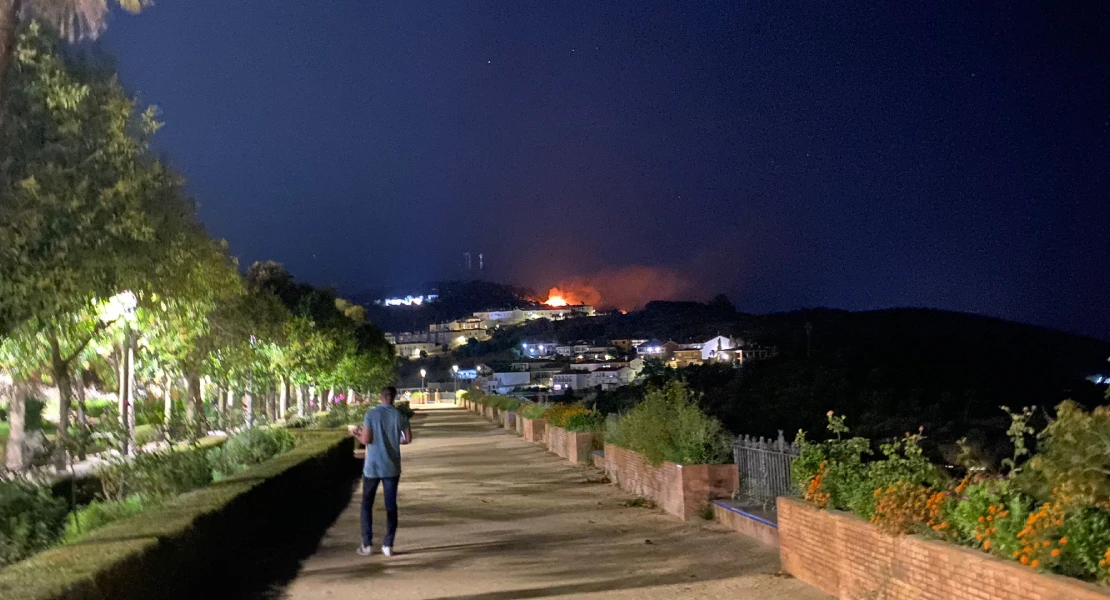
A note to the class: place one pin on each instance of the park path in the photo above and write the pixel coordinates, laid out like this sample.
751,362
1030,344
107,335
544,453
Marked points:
487,516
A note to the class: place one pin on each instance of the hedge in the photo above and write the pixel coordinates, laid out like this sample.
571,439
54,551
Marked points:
156,553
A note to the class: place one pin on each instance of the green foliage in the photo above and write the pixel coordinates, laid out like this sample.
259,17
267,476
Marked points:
405,409
160,475
532,411
510,404
668,425
33,419
1010,512
31,520
250,447
1073,457
1019,428
1087,531
99,513
585,421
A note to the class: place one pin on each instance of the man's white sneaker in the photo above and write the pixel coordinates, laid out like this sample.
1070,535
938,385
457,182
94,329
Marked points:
387,550
365,550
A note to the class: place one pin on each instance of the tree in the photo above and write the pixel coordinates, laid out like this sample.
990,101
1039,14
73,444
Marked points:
85,209
74,20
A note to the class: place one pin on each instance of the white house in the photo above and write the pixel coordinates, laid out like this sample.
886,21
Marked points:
539,349
503,383
569,380
610,378
722,345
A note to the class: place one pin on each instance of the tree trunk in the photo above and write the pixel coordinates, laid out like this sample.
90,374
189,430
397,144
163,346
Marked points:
167,400
331,397
128,394
60,371
300,400
82,412
9,29
350,396
194,403
17,414
121,395
283,398
249,409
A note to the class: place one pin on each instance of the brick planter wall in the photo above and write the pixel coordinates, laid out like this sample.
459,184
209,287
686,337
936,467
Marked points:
681,490
746,523
847,557
508,420
556,440
533,429
599,459
519,425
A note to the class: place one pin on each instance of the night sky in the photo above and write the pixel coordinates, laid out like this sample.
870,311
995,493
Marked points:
853,155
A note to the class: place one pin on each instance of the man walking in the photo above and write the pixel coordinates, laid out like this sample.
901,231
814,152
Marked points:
383,431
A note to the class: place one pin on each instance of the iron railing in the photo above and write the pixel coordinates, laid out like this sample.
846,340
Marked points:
764,466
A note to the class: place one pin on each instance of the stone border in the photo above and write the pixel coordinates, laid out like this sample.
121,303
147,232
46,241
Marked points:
847,557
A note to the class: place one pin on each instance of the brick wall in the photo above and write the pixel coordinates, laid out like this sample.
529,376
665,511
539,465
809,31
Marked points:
580,445
849,558
681,490
556,440
508,420
599,459
519,425
533,429
574,446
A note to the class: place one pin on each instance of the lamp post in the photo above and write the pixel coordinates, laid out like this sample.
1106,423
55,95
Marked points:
455,372
423,374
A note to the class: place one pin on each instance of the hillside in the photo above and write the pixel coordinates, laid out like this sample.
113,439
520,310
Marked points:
890,371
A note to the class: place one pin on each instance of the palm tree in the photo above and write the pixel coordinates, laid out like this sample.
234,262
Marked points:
74,19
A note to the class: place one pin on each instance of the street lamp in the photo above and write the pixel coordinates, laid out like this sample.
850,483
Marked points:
455,371
423,374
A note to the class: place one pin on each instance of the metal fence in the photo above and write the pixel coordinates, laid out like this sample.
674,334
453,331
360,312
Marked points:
764,466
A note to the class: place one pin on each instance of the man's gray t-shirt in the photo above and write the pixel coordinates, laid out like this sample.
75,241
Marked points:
383,455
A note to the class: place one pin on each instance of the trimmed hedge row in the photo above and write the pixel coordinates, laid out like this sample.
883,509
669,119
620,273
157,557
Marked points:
161,552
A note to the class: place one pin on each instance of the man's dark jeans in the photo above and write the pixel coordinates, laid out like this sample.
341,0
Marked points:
369,493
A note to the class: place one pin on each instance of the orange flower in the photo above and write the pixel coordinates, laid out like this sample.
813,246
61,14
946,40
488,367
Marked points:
1063,540
987,545
1055,552
1024,559
1035,564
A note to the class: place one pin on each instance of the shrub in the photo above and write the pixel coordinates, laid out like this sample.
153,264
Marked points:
533,411
558,414
31,520
585,421
250,447
95,409
510,404
101,512
613,431
159,475
668,425
406,410
340,415
1072,457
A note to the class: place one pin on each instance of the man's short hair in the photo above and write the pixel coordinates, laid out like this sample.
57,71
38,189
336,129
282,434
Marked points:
392,391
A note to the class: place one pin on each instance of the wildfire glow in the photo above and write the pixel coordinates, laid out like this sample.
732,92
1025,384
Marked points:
556,298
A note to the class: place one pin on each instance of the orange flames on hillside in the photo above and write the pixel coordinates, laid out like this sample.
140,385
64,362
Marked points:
624,289
558,298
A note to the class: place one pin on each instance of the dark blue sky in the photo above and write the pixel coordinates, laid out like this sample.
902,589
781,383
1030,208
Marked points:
855,155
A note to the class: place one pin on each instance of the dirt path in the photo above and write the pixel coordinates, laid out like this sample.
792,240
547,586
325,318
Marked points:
487,516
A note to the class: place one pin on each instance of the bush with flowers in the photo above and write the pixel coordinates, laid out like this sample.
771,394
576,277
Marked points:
1049,510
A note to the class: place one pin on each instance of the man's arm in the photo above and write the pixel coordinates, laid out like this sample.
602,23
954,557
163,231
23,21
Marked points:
406,435
363,435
